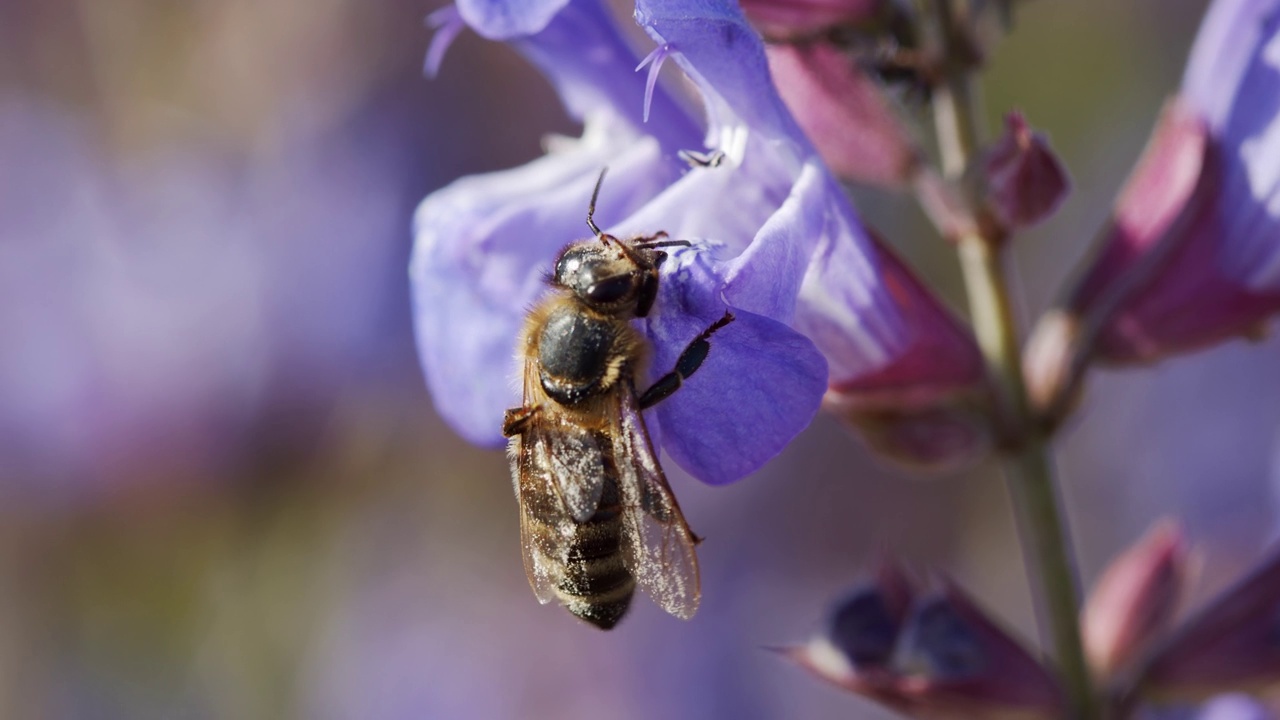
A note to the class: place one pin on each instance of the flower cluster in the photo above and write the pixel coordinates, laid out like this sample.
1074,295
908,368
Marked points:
822,308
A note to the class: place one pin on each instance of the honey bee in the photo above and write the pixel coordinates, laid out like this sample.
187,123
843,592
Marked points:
597,517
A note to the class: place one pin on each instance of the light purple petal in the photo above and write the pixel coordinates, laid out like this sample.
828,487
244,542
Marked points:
1227,45
1234,707
506,19
482,246
722,53
760,385
593,68
1242,108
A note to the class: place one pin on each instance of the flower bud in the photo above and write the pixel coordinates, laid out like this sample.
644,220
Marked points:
948,659
856,645
845,113
822,56
958,663
794,18
864,626
1134,600
1021,180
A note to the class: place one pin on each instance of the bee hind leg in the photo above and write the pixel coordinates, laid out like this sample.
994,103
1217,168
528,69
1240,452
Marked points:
516,420
688,363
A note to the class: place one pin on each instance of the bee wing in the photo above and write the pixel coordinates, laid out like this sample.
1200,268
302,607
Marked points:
540,511
658,544
558,469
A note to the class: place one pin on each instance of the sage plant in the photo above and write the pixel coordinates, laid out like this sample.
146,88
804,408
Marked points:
799,98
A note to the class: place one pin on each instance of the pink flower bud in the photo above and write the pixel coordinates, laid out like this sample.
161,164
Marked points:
796,18
1134,600
1022,181
1231,644
819,52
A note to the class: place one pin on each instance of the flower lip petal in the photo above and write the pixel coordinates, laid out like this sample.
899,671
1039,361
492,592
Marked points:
759,386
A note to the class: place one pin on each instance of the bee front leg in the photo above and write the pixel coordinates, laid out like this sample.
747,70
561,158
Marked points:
688,363
516,420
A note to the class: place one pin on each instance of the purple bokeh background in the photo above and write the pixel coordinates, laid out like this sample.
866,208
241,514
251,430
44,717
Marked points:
223,490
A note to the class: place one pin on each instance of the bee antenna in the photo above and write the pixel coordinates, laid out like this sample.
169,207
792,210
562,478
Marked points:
591,209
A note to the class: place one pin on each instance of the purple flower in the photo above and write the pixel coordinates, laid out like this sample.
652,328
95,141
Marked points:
774,239
1191,256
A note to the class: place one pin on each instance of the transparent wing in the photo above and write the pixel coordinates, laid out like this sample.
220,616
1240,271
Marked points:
540,510
558,470
658,544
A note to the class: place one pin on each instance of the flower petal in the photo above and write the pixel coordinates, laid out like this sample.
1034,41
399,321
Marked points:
760,385
505,19
1230,644
723,55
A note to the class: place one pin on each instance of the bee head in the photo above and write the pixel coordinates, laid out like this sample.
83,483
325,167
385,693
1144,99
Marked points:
610,276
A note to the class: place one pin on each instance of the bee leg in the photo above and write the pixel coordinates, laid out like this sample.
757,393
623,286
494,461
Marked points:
516,420
688,363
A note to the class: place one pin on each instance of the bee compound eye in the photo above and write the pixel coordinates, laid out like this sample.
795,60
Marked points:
610,289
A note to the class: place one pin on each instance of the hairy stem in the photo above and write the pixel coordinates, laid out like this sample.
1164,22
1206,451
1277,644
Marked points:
1025,459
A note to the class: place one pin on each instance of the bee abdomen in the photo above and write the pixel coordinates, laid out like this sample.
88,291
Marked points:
595,584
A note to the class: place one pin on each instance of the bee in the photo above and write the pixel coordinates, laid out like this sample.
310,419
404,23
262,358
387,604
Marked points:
597,517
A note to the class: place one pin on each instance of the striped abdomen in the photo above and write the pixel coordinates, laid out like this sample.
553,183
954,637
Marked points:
591,576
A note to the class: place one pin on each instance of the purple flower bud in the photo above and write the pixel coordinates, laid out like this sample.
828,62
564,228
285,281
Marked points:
1232,643
958,663
1134,600
1191,256
864,626
856,646
1022,181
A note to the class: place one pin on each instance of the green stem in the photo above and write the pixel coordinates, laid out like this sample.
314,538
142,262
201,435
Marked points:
1028,470
1025,459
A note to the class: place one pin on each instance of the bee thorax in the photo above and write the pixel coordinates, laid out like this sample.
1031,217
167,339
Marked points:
574,355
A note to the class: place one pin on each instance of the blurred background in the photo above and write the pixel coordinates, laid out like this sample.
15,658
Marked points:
223,489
